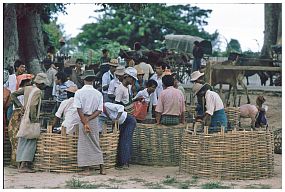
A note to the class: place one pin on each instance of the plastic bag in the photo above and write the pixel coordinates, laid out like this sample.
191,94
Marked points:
140,110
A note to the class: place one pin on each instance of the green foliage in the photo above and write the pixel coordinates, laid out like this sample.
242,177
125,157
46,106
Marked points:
53,33
214,185
146,23
258,186
169,180
77,184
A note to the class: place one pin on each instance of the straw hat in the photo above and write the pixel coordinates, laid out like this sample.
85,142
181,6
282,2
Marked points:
88,73
139,71
195,75
120,70
42,78
197,87
72,89
114,62
131,72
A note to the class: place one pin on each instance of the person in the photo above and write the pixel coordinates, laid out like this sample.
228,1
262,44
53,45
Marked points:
89,104
105,57
198,55
76,73
6,101
27,147
51,72
170,108
127,124
147,68
138,50
123,92
178,85
61,86
215,115
108,77
119,76
197,77
139,84
66,109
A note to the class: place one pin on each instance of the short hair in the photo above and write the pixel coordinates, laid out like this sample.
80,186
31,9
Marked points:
105,51
168,80
151,82
89,79
61,76
18,63
79,60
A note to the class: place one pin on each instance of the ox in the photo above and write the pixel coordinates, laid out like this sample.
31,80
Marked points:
230,77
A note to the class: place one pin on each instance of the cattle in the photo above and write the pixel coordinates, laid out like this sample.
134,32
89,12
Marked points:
230,77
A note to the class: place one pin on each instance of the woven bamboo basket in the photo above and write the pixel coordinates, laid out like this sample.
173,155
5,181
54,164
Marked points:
157,144
7,148
58,152
234,155
233,115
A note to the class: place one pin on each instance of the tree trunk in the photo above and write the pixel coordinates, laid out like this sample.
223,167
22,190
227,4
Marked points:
11,41
272,12
31,45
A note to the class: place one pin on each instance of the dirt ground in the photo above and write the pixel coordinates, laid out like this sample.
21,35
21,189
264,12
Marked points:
149,177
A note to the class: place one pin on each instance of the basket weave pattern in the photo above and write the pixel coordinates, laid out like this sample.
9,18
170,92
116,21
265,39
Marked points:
58,152
157,144
231,155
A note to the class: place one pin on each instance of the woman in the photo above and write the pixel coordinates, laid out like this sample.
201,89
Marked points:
27,147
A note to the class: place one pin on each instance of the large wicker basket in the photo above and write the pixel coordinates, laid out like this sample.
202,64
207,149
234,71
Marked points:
157,144
58,152
231,155
233,115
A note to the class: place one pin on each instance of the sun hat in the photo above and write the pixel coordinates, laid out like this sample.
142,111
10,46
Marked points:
22,77
42,78
197,87
139,71
5,76
131,71
88,73
114,62
72,89
195,75
120,70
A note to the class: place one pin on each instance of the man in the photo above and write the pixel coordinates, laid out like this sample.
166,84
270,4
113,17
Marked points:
108,77
76,72
89,104
215,115
66,108
198,55
51,72
170,109
178,85
119,76
104,60
127,124
147,68
122,92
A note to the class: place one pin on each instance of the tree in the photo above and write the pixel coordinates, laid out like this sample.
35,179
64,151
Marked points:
146,23
273,27
23,33
233,46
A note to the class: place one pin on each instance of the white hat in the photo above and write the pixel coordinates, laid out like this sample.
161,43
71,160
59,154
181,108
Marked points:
197,87
120,70
195,75
131,71
42,78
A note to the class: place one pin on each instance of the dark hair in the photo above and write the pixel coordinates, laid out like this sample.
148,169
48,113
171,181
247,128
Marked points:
68,71
89,79
61,76
151,82
105,51
137,46
23,82
168,80
18,63
70,94
11,70
79,60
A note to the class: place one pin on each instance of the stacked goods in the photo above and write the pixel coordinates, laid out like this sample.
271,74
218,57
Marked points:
231,155
58,152
46,113
233,115
157,144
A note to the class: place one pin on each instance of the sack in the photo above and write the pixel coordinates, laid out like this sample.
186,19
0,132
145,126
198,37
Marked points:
140,110
27,129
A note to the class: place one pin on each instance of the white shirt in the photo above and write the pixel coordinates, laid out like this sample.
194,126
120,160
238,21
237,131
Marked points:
159,87
147,98
106,79
147,69
213,102
71,117
51,72
113,85
12,85
113,110
88,99
70,83
122,94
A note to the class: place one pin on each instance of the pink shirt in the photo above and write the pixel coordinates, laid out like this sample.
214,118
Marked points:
170,102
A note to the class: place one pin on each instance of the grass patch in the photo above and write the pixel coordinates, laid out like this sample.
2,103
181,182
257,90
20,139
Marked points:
169,180
258,186
116,180
151,185
194,180
214,185
77,184
138,180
